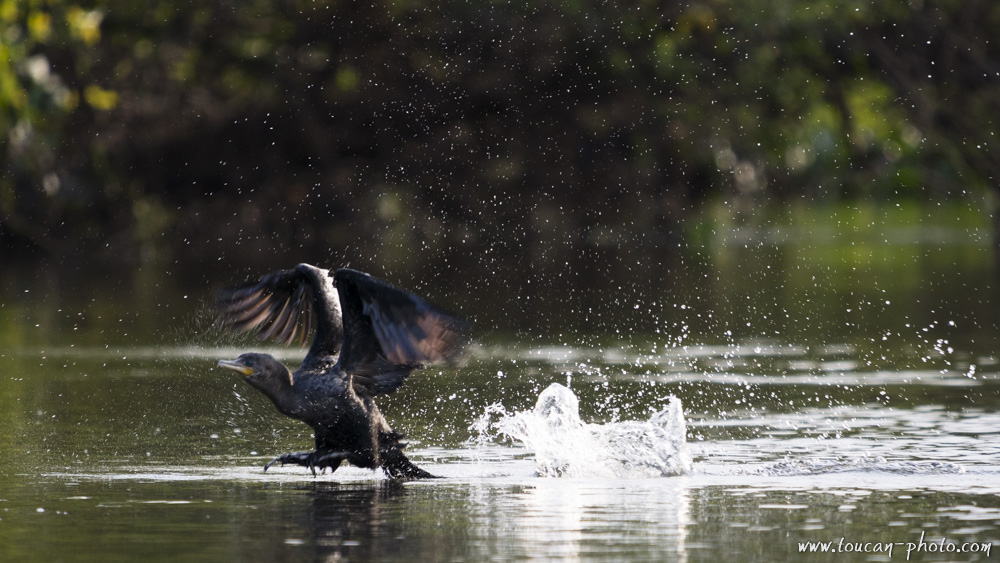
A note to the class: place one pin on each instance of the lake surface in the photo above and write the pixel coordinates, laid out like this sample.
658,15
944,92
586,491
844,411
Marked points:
836,388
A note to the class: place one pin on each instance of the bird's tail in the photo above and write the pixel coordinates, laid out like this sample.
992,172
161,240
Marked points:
398,466
395,464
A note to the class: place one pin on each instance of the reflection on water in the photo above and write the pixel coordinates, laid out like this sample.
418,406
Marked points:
348,521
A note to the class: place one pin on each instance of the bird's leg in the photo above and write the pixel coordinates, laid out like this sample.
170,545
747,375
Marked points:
332,460
313,460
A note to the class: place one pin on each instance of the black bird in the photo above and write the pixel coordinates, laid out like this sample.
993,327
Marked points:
368,337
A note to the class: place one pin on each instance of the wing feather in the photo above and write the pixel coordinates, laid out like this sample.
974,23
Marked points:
380,333
390,332
278,307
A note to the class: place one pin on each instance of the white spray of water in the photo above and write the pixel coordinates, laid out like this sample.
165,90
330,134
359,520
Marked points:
565,446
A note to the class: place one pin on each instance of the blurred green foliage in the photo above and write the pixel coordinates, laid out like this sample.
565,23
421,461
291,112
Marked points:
135,130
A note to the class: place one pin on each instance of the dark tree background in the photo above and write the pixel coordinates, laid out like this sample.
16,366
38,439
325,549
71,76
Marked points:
541,134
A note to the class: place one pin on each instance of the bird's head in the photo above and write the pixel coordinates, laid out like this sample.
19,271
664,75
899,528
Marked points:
264,372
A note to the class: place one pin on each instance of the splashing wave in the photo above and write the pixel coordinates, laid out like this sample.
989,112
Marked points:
565,446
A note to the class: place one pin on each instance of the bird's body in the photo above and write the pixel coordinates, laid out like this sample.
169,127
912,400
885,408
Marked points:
368,337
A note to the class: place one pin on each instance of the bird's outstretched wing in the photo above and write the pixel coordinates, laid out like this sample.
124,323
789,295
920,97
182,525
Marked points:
279,306
389,332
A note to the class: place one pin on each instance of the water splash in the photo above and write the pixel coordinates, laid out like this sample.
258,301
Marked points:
565,446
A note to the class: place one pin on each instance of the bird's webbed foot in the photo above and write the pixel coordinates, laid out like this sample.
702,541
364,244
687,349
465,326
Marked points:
313,460
298,458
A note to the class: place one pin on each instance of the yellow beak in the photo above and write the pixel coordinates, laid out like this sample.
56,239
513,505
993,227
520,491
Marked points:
236,366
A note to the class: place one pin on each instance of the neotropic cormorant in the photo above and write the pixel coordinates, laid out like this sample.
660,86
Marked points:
368,337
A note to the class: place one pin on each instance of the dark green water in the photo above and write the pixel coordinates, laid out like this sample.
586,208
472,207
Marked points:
840,382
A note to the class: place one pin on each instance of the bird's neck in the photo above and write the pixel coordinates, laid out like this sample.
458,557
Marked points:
289,404
284,395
